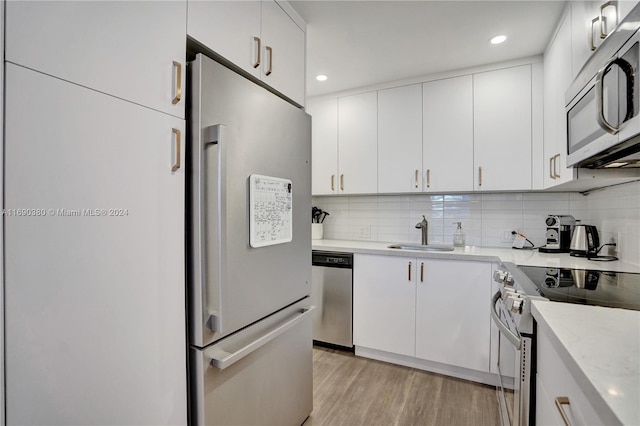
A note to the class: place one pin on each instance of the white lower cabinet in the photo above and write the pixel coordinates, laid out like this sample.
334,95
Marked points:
384,303
428,309
557,390
452,319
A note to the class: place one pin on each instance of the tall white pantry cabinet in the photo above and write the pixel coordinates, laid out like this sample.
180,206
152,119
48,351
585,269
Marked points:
94,219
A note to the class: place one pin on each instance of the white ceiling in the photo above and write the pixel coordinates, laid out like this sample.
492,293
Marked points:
363,43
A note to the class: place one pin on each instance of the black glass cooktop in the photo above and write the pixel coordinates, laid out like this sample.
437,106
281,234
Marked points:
587,287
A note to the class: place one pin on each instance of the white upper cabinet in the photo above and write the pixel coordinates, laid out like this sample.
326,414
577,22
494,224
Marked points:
284,44
400,139
503,129
557,78
587,28
357,141
131,50
447,121
624,7
257,36
324,133
229,28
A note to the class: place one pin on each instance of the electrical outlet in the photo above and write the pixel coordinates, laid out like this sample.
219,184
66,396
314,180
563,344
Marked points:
364,232
507,236
618,241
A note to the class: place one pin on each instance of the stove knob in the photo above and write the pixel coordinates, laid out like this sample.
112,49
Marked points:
503,277
517,305
506,292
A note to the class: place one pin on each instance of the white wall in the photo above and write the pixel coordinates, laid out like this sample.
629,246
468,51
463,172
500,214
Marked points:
485,217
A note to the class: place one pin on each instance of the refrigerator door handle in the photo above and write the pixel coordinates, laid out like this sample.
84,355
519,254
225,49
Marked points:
222,359
213,203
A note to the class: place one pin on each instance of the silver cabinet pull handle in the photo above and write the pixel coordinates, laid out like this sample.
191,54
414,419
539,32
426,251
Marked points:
428,178
341,182
556,167
479,176
417,174
177,164
178,87
421,272
409,271
560,401
552,172
256,41
332,184
222,359
269,51
592,44
603,19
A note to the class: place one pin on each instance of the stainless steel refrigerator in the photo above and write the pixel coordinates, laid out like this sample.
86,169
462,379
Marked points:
250,354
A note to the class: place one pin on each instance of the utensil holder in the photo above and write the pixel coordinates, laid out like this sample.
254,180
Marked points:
316,231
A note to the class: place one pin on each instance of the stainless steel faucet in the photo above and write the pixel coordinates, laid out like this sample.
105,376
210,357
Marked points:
425,230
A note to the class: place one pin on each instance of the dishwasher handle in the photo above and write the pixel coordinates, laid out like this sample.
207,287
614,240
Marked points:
511,336
222,359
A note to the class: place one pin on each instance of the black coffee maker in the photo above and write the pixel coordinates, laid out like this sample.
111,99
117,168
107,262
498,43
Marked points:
559,231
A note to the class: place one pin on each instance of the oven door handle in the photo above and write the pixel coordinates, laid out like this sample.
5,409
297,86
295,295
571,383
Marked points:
512,337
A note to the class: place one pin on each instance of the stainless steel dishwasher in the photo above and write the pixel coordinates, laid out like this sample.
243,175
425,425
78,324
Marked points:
332,294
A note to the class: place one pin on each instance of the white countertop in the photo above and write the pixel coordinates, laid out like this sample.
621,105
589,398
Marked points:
601,348
519,257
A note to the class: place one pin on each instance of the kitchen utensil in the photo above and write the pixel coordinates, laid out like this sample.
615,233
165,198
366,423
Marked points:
585,241
324,217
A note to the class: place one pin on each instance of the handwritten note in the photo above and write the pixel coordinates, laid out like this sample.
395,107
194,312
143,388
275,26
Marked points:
270,210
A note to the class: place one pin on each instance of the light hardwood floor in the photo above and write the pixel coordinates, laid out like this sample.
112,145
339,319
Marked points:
350,390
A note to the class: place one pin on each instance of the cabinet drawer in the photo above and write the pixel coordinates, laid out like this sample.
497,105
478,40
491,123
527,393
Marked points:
555,381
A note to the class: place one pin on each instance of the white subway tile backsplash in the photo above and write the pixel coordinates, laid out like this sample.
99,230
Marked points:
485,217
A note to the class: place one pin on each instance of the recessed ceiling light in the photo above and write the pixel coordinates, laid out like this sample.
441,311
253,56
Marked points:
321,77
498,39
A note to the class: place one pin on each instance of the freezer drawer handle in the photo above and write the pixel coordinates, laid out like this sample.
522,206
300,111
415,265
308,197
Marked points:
222,359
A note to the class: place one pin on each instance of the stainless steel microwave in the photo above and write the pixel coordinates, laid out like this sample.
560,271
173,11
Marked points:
603,120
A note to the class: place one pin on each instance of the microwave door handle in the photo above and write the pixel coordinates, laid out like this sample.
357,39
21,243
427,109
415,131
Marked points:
628,70
512,337
629,73
600,118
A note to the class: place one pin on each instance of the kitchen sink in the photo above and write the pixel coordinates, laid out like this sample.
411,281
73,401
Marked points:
420,247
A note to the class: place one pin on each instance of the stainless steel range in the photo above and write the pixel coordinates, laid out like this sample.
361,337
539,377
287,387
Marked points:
511,313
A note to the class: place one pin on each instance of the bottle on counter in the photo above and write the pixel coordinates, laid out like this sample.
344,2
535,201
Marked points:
458,236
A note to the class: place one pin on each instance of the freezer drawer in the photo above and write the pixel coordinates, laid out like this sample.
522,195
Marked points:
262,375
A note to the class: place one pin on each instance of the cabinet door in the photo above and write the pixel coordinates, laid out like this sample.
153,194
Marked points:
283,52
384,303
582,14
452,319
357,143
229,28
123,48
557,78
448,134
400,139
96,275
324,139
502,129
